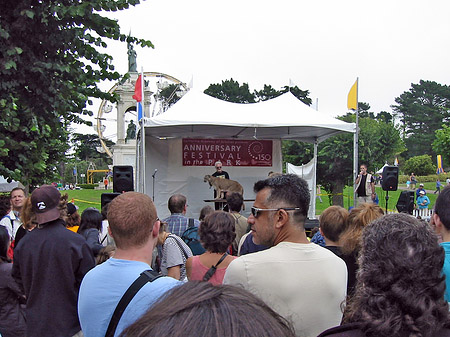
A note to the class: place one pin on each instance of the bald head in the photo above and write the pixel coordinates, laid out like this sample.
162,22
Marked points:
131,218
176,203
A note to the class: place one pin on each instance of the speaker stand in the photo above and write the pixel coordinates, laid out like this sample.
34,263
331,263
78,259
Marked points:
387,198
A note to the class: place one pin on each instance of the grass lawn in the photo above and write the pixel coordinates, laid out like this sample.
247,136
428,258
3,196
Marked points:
86,198
393,197
92,198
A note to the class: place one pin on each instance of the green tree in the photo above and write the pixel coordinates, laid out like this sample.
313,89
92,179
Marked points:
420,165
302,95
378,143
85,147
267,93
441,144
231,91
50,64
422,110
170,94
384,116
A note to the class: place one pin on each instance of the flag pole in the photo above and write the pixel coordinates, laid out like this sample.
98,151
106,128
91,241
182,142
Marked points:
142,132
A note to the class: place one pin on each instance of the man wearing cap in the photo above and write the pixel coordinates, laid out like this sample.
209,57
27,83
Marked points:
420,189
49,264
223,175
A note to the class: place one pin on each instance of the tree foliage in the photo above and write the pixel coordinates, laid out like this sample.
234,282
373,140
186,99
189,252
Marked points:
169,94
378,142
422,110
50,64
85,147
420,165
441,144
231,91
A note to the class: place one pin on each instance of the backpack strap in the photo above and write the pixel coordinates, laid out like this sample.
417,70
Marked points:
191,223
213,269
146,276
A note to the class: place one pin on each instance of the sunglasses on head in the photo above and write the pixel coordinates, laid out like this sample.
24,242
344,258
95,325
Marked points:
256,210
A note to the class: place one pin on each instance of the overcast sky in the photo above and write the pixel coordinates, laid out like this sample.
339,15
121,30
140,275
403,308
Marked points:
321,45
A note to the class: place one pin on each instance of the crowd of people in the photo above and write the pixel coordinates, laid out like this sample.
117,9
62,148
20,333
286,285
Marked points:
125,272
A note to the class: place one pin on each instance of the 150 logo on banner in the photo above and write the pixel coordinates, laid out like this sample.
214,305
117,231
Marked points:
205,152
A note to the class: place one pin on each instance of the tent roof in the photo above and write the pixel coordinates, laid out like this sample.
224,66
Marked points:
197,115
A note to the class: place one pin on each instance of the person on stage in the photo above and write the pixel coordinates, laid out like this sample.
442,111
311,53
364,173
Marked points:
223,175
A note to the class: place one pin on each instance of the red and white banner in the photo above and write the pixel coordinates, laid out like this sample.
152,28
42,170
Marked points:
205,152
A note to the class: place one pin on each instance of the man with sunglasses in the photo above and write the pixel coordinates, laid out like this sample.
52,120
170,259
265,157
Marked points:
303,282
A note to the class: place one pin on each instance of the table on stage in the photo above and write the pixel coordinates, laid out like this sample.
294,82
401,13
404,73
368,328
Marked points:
222,202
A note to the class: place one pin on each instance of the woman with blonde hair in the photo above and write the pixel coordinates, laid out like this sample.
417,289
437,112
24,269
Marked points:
350,240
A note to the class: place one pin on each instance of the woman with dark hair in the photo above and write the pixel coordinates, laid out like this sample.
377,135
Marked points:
201,309
12,308
90,226
73,218
216,235
350,240
400,287
205,211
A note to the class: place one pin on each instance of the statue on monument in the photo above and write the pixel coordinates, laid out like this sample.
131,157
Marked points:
132,65
131,131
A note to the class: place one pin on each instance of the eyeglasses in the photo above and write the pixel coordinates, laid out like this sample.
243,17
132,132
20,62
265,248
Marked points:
255,210
218,167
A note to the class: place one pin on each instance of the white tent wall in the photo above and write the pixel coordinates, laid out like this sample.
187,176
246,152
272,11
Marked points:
306,171
165,155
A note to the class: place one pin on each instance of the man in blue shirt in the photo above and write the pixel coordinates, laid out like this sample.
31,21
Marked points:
178,222
103,287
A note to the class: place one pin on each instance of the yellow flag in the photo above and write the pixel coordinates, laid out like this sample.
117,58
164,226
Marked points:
352,100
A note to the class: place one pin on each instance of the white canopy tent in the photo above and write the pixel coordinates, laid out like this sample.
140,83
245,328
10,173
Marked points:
197,115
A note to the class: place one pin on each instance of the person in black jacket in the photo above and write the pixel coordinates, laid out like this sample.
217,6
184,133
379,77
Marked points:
49,264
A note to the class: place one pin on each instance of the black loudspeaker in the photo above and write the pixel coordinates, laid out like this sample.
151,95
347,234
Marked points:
390,178
405,202
108,197
123,179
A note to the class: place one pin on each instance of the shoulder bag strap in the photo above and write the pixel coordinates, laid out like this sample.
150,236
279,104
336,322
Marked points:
146,276
213,269
179,245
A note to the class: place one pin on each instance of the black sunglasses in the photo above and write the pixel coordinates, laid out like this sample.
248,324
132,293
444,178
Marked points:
256,210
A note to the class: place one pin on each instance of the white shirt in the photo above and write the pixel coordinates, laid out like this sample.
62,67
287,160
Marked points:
304,283
11,226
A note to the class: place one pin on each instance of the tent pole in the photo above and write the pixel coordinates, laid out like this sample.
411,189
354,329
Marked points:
143,156
314,187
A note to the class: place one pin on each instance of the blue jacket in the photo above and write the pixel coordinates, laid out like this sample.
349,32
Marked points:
421,200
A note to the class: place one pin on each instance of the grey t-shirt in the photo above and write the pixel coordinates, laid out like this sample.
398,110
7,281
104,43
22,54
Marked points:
175,253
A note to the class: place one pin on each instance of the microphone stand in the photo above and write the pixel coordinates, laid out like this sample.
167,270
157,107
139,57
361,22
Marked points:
153,179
